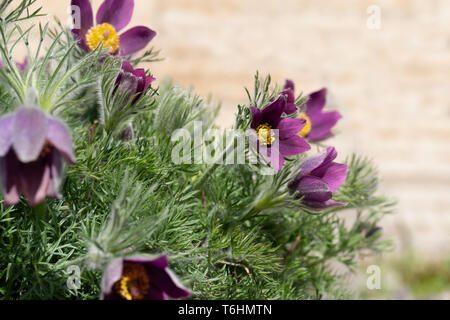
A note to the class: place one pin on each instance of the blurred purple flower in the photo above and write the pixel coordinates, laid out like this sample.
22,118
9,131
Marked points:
32,148
318,178
141,278
22,66
268,119
134,82
112,17
319,123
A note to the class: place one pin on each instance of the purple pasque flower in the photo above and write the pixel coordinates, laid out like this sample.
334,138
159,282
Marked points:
112,17
32,149
318,178
141,278
134,82
265,121
318,123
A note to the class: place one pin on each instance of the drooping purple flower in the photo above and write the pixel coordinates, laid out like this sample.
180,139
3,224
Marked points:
318,178
319,123
112,17
268,119
141,278
134,82
32,149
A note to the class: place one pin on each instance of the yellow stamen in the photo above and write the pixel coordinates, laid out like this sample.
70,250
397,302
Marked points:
134,283
265,134
105,34
307,128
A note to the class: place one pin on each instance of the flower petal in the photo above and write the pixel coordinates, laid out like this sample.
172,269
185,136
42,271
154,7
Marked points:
135,39
29,133
322,124
272,113
289,127
59,136
293,146
289,84
327,158
116,12
9,166
168,282
111,275
34,179
335,176
6,134
313,189
256,117
325,205
127,67
86,18
316,102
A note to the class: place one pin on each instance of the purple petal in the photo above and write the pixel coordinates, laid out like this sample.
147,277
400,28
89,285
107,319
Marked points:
272,113
34,178
59,137
256,117
86,15
80,36
159,262
127,67
325,205
6,134
135,39
29,133
24,65
289,84
116,12
335,176
167,282
289,127
329,155
316,102
9,166
56,168
322,124
111,275
313,189
293,146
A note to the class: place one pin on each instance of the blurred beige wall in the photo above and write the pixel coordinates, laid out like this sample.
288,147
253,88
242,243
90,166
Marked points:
392,85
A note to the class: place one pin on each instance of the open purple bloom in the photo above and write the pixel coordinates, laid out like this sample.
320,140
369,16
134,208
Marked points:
135,82
32,149
319,123
318,178
141,278
268,119
112,17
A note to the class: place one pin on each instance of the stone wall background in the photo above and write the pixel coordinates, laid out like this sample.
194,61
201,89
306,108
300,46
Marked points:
392,85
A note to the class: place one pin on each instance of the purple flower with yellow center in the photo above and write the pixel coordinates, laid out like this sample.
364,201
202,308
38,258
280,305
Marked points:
32,149
268,119
112,17
141,278
134,82
318,178
318,123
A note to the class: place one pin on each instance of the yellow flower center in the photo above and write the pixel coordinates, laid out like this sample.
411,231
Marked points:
265,134
134,283
104,34
307,128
